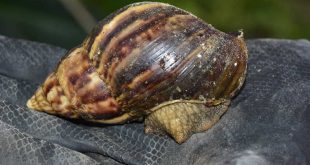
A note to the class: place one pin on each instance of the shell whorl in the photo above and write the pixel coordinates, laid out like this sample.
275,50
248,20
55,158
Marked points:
138,57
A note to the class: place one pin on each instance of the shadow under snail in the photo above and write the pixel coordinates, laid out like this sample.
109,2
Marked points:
148,61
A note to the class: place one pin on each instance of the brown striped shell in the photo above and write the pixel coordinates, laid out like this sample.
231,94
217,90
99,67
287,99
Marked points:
139,57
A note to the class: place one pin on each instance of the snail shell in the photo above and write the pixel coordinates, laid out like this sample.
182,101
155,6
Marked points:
148,59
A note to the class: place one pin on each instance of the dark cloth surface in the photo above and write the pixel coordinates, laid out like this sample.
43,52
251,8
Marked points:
267,123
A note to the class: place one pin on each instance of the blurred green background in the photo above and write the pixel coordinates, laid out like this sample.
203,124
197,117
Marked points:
57,21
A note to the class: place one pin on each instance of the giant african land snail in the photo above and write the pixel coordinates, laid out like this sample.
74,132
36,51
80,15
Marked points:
148,60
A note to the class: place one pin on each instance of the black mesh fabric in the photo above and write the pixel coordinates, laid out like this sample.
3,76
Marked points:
267,123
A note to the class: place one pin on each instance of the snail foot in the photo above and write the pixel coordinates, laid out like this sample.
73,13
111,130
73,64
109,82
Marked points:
182,118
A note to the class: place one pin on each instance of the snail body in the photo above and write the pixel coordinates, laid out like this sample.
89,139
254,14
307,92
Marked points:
148,60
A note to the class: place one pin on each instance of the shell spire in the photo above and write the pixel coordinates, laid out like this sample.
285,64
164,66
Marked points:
39,102
75,90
